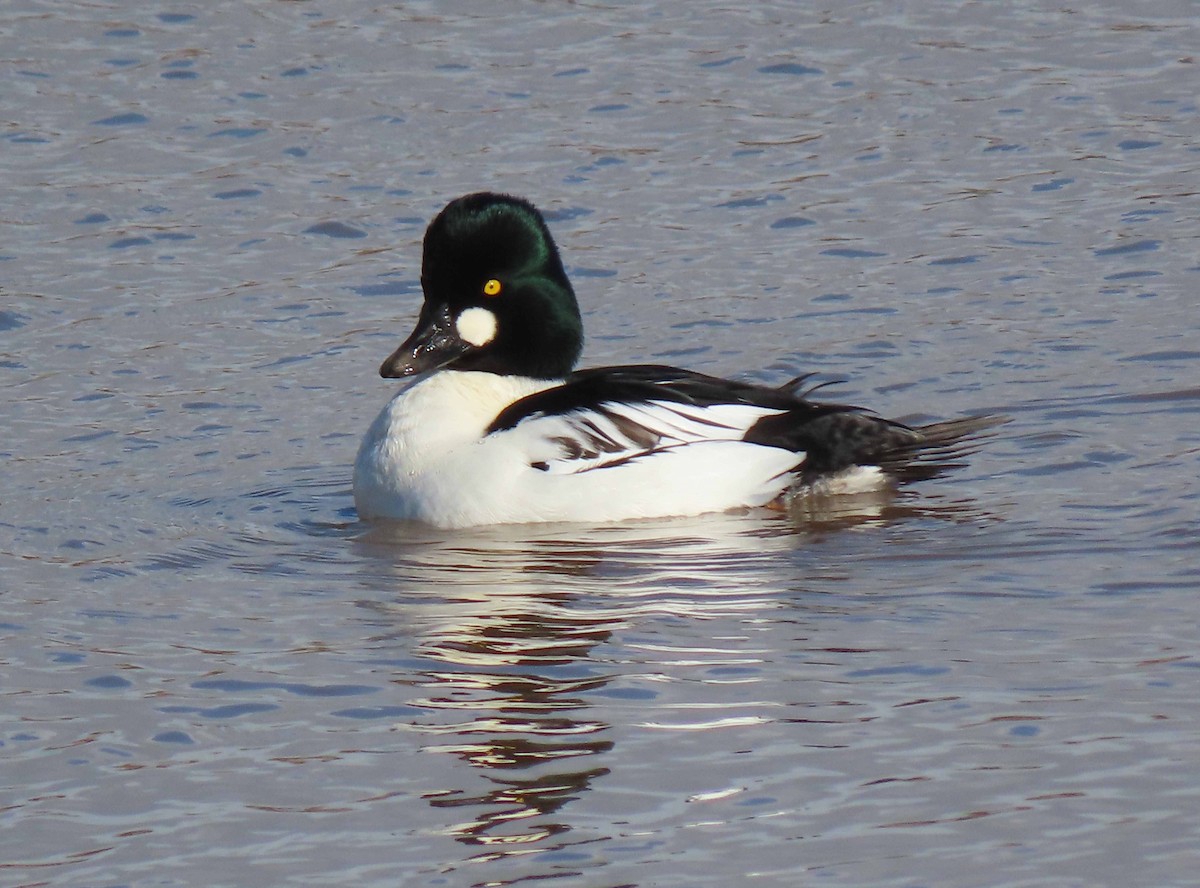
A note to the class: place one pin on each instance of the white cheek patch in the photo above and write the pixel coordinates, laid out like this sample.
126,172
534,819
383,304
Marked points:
476,326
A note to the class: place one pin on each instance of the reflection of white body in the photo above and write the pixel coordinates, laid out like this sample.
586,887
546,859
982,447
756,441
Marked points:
427,456
575,577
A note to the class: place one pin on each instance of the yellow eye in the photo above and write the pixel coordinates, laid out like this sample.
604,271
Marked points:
491,288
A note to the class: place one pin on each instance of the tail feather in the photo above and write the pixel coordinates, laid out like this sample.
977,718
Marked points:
842,440
837,438
938,448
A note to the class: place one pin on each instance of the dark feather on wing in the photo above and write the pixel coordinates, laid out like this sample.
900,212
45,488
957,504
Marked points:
590,389
833,436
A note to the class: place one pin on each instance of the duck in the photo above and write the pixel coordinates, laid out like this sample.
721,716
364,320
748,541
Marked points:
498,427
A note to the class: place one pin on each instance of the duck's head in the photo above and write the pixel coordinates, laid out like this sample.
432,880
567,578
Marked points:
496,296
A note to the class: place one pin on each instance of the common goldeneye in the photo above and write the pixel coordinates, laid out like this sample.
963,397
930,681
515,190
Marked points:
500,430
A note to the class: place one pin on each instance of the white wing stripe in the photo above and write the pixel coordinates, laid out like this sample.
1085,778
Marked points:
686,422
615,432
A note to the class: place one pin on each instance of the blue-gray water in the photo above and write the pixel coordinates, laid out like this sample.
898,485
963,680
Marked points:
213,674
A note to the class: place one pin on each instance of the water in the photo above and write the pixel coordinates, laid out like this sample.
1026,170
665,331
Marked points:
214,674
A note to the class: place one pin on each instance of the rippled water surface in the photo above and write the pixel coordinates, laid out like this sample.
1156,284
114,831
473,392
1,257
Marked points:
214,674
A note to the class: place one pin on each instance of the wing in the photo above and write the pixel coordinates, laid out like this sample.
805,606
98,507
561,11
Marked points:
615,433
651,382
608,416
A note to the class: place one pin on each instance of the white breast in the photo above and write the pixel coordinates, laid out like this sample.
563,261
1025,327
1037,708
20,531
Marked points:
423,445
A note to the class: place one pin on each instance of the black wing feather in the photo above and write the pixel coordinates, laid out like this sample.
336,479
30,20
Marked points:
833,436
590,389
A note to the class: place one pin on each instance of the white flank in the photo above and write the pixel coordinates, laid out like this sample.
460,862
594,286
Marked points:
476,326
848,482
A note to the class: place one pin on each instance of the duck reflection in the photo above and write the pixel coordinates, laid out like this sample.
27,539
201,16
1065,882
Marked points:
513,674
532,741
505,633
